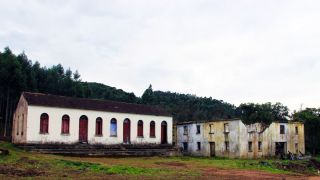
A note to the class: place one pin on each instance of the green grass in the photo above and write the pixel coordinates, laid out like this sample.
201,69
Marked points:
165,168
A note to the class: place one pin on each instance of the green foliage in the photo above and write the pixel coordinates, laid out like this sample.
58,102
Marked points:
311,119
186,107
264,113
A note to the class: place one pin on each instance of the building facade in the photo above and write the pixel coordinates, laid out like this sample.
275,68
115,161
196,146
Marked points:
232,138
41,118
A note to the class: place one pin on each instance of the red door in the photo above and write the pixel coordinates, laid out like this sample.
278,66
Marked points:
83,129
164,133
126,131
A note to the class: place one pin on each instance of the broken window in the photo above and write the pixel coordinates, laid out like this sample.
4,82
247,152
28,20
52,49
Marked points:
250,146
140,128
297,148
282,129
226,127
297,130
18,125
185,146
259,146
22,125
99,126
65,124
199,146
226,144
113,127
211,129
185,130
198,129
44,123
152,129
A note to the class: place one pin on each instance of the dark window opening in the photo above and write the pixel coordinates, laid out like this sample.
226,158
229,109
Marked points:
198,129
259,146
282,129
250,146
22,125
18,125
152,129
185,130
99,126
226,144
44,123
185,146
199,146
140,128
297,131
65,124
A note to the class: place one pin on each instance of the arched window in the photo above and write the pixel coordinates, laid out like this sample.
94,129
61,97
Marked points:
152,129
65,124
140,128
113,127
44,123
99,126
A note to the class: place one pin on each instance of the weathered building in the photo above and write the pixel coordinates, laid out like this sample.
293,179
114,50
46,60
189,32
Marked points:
232,138
49,119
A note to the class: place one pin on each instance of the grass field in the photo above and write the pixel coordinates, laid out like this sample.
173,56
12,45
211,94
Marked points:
21,164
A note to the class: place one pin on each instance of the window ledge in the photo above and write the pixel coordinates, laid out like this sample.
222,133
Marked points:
152,136
140,136
113,136
44,133
211,133
65,134
98,135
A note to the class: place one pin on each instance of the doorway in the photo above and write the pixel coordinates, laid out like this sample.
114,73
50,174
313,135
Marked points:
126,131
164,133
212,149
281,149
83,129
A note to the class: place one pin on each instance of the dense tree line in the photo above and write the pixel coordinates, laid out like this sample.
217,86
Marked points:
311,119
18,74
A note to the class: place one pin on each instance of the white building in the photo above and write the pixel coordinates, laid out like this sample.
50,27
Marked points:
41,118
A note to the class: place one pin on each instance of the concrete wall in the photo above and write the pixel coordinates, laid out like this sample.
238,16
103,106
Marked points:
55,136
239,136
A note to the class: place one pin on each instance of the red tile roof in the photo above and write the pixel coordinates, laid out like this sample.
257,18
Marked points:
39,99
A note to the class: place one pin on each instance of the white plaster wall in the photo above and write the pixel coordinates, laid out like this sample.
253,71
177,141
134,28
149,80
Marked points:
55,136
192,138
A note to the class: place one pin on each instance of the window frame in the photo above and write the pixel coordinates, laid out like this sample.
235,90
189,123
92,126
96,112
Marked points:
198,129
250,146
99,126
44,124
140,129
185,130
198,146
113,124
152,131
282,129
65,127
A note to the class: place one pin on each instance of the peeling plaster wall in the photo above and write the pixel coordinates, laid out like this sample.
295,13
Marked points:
19,124
55,136
239,136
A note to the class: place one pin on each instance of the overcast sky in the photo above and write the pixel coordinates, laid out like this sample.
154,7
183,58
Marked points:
237,51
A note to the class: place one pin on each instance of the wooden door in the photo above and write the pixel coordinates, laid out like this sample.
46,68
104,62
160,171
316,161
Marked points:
164,133
212,149
126,131
83,129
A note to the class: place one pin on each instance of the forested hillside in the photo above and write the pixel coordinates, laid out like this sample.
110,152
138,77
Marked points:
18,74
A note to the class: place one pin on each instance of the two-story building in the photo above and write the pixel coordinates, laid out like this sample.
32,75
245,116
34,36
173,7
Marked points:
232,138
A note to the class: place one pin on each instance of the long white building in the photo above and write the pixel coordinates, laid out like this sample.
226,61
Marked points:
42,118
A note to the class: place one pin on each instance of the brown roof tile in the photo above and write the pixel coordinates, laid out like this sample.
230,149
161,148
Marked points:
48,100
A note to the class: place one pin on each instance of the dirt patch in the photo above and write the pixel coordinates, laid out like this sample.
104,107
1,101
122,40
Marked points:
175,164
212,173
14,171
27,161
